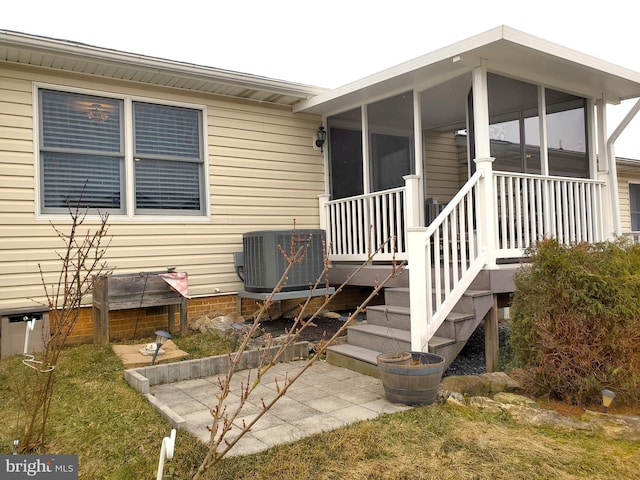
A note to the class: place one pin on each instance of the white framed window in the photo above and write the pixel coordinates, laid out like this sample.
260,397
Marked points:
121,156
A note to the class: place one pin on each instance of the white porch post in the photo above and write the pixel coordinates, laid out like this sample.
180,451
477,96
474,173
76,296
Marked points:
419,288
412,199
603,172
323,199
418,156
484,164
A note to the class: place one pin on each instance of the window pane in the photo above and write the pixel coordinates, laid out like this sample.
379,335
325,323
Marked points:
634,206
71,177
166,132
167,185
391,141
77,122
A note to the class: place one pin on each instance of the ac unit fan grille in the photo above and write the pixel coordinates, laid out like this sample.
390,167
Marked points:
264,263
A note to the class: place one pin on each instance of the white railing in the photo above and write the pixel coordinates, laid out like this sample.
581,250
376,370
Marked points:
450,247
633,237
529,208
357,226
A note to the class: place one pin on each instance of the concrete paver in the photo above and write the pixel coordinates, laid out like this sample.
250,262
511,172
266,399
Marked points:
324,398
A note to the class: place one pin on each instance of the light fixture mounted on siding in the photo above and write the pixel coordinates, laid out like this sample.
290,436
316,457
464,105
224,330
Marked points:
321,137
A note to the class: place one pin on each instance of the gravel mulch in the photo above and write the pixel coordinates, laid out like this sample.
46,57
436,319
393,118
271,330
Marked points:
470,361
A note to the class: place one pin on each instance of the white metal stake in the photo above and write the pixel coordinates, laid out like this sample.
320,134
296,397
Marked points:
166,452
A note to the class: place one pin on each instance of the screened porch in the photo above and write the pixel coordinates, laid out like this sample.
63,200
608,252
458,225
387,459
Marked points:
398,163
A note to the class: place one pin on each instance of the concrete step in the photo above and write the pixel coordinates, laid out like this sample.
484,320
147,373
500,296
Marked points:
358,359
467,303
457,325
379,338
364,360
389,316
447,348
398,296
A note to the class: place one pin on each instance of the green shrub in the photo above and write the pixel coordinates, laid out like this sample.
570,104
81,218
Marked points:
576,320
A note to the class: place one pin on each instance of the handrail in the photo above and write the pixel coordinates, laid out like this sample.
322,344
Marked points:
447,259
359,225
529,208
366,195
466,188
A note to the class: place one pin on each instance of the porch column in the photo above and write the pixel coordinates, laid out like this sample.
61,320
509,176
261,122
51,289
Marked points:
418,156
419,284
484,163
323,199
603,170
413,200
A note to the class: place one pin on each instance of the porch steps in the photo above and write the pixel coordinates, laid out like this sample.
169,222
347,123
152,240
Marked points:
388,329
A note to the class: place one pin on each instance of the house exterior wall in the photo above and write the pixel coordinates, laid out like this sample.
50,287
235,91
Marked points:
626,174
441,165
262,172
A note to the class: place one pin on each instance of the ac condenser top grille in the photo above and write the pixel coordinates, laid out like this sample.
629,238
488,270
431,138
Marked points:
264,263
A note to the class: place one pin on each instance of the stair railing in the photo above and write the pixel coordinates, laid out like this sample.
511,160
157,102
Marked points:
449,245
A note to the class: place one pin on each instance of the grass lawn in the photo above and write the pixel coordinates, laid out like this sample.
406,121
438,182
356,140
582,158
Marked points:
117,435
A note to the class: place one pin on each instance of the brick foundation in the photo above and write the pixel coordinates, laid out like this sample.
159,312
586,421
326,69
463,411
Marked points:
142,323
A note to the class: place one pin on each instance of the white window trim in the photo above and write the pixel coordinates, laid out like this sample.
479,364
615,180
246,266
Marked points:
129,215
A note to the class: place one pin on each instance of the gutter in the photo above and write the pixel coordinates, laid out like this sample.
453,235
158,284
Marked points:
89,53
613,169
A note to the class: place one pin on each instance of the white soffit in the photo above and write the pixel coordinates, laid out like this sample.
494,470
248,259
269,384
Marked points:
503,50
32,50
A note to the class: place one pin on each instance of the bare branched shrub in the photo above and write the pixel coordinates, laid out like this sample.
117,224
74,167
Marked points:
81,260
221,426
576,321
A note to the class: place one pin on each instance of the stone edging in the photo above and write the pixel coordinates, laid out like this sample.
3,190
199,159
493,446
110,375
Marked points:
494,393
142,378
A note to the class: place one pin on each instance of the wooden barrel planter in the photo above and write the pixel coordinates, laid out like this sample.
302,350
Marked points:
415,382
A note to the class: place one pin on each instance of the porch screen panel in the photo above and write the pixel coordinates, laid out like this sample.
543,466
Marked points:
391,141
168,164
567,135
81,151
345,154
513,134
532,160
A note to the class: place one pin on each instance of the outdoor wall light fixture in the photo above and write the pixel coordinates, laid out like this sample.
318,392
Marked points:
607,398
321,137
161,337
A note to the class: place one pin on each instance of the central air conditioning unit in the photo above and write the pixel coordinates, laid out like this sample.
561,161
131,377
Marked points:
264,263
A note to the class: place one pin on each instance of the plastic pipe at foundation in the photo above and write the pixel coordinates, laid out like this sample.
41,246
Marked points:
166,452
31,324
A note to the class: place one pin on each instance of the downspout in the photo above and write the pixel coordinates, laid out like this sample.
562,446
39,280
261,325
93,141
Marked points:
613,170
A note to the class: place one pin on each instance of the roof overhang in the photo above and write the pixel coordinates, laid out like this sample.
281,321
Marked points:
503,50
62,55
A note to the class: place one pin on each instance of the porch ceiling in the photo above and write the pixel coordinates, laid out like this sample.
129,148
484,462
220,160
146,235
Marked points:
503,50
63,55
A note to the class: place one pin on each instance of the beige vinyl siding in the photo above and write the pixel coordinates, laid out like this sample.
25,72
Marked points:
441,165
626,174
262,172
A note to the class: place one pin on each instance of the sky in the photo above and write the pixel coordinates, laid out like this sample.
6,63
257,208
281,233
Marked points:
329,43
